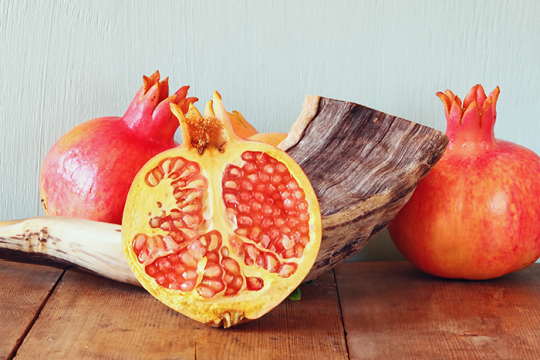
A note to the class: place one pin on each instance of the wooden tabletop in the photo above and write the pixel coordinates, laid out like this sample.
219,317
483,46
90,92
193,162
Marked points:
369,310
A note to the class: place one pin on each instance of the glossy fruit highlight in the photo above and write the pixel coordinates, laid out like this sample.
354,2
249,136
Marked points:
475,215
88,171
221,229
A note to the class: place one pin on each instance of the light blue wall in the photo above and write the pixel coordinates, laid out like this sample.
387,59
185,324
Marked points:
64,61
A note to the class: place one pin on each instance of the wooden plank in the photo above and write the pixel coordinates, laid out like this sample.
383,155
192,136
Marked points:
92,317
391,310
23,290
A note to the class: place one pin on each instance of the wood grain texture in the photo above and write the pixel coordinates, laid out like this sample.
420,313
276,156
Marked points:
391,310
363,165
24,289
92,317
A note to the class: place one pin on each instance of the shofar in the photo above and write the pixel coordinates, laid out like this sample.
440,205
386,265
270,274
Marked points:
363,165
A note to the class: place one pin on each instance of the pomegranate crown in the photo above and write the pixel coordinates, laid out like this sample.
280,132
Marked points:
474,119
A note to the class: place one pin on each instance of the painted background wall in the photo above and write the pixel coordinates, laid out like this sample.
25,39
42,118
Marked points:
63,62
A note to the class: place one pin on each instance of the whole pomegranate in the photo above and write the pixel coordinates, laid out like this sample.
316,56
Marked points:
476,214
88,171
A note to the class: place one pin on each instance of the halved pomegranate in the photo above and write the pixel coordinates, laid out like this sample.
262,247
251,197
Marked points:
220,228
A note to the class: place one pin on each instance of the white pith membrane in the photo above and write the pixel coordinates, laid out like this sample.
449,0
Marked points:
196,245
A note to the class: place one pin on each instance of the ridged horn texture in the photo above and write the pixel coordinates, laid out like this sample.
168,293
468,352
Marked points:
363,165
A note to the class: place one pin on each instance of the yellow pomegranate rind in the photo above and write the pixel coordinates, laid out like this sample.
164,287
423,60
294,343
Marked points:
221,310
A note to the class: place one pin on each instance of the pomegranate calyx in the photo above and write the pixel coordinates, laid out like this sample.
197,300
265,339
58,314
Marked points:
470,124
149,114
212,130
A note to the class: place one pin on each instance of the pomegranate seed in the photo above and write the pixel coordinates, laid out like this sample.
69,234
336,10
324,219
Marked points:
287,270
288,243
289,204
247,156
247,185
273,232
303,205
179,268
190,274
174,175
260,188
244,196
165,226
304,240
217,285
230,291
189,260
139,242
230,199
188,285
174,286
299,194
177,163
289,253
244,208
213,270
272,263
196,249
267,223
255,233
161,280
224,251
151,270
265,241
261,261
245,221
279,222
191,208
191,170
231,266
166,165
267,210
215,241
249,167
173,278
286,230
258,218
237,282
269,169
292,185
299,249
155,222
254,283
292,222
303,216
256,206
205,291
259,196
212,256
230,185
242,231
228,278
276,179
253,177
163,264
233,171
174,259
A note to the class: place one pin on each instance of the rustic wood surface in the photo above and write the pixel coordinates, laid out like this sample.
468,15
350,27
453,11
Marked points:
95,318
363,165
24,289
391,310
385,310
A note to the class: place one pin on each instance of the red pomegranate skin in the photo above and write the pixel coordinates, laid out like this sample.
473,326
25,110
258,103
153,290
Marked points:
476,214
88,171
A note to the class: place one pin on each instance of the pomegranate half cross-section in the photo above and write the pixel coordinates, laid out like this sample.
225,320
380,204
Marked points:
220,228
